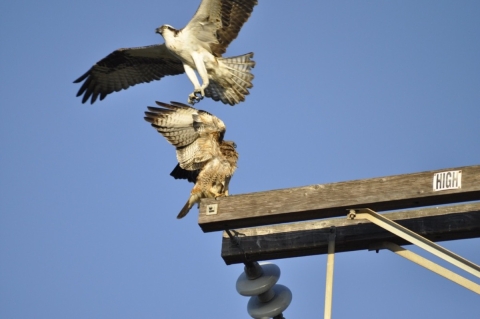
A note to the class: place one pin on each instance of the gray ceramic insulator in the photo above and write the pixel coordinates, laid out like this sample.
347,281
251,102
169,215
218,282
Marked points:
247,287
261,310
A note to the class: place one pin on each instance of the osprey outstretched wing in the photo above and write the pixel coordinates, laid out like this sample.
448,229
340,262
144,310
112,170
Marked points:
204,158
197,47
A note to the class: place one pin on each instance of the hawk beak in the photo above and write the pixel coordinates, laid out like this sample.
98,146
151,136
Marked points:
158,30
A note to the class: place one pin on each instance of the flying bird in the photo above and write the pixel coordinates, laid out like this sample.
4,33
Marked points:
204,157
197,47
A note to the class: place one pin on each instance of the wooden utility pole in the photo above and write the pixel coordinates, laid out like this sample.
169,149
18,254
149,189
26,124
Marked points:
316,204
275,231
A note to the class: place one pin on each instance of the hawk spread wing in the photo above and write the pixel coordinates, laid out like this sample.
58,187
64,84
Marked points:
204,158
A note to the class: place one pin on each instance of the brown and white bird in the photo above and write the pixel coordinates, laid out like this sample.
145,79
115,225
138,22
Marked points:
204,157
197,47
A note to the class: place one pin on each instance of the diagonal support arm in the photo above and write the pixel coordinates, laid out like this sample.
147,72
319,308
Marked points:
416,239
419,260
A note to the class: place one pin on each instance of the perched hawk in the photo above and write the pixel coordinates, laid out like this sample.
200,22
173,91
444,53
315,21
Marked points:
197,47
204,158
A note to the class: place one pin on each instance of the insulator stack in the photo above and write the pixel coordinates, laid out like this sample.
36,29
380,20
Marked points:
267,299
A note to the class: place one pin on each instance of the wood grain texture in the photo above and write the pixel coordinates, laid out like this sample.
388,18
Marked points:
332,200
311,238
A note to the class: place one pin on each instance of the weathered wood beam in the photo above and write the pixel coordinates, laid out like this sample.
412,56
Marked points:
331,200
311,238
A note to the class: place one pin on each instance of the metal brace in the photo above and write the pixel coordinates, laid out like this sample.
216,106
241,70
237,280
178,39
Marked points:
424,243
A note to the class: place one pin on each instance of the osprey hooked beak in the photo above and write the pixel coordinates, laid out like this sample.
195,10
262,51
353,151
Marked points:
163,27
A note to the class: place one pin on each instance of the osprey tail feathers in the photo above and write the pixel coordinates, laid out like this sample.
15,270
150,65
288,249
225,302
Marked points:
231,82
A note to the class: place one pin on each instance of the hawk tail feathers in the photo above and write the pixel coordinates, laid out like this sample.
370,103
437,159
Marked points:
194,198
184,210
232,87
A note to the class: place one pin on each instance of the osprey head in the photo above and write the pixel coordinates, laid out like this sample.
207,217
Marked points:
165,28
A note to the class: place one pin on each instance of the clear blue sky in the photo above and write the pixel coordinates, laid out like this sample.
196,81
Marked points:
343,90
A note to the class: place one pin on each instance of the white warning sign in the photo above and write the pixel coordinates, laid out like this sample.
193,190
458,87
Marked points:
447,180
212,209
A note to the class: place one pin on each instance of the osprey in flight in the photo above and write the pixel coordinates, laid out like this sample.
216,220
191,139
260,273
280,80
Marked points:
197,47
204,158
